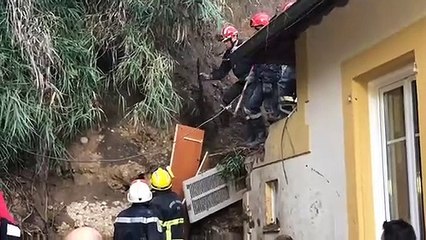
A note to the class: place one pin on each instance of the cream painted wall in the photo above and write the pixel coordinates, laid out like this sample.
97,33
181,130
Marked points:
313,199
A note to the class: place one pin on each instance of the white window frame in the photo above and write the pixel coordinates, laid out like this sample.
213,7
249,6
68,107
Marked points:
376,89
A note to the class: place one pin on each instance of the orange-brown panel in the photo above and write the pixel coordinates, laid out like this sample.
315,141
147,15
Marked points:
186,155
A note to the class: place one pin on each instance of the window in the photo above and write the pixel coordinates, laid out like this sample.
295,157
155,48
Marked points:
271,189
395,147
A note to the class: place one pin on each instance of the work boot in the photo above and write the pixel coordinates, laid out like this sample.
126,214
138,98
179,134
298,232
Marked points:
259,130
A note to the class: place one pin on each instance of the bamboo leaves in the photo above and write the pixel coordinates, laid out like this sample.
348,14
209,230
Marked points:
50,81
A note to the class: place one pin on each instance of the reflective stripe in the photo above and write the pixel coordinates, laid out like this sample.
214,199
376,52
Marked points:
137,220
142,220
250,115
173,222
13,231
168,225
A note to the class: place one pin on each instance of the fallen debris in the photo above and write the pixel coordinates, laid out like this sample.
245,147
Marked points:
209,192
99,215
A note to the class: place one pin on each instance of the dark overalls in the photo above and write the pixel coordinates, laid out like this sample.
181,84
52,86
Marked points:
139,222
263,87
240,69
287,90
172,213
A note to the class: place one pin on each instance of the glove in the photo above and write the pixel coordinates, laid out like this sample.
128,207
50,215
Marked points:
206,76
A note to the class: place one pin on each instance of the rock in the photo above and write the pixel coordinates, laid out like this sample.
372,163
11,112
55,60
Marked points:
95,214
84,140
118,176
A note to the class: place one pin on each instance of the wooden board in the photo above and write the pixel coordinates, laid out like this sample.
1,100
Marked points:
186,155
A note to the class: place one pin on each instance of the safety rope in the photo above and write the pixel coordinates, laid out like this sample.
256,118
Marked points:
227,107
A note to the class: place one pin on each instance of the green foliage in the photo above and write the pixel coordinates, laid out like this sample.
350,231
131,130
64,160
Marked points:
232,167
50,84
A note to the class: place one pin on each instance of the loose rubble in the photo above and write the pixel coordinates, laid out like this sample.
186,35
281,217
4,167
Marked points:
99,215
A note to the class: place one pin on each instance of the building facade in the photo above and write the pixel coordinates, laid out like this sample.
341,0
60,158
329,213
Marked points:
350,157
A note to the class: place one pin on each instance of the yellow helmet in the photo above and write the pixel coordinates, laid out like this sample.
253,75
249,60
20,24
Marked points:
161,179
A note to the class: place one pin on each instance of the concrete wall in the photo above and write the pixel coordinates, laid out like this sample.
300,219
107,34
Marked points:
313,194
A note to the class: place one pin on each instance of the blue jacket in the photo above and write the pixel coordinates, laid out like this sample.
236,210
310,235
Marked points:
138,222
172,213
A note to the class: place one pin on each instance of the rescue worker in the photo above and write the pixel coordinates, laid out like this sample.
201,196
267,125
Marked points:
240,69
277,81
140,221
287,84
168,203
9,229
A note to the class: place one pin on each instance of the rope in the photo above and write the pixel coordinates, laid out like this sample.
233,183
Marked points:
285,128
220,112
71,159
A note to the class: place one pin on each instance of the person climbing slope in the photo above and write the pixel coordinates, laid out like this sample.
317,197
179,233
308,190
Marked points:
229,36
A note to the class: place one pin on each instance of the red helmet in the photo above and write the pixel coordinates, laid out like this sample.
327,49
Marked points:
259,20
228,32
287,4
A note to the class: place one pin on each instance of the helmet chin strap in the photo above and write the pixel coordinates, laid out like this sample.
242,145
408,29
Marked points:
234,43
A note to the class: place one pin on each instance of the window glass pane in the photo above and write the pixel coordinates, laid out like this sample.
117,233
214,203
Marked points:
398,179
394,114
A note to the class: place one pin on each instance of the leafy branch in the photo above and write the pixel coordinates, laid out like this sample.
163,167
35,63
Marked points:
232,167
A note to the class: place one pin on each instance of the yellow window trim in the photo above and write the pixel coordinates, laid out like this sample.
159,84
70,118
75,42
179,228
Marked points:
289,138
390,54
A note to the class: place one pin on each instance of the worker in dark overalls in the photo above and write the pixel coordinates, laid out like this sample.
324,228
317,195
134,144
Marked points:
277,81
240,68
168,204
140,221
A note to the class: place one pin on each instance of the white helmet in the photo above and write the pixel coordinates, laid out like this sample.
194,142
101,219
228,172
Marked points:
139,192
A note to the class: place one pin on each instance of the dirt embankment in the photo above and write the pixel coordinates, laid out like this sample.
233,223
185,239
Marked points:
92,191
101,167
